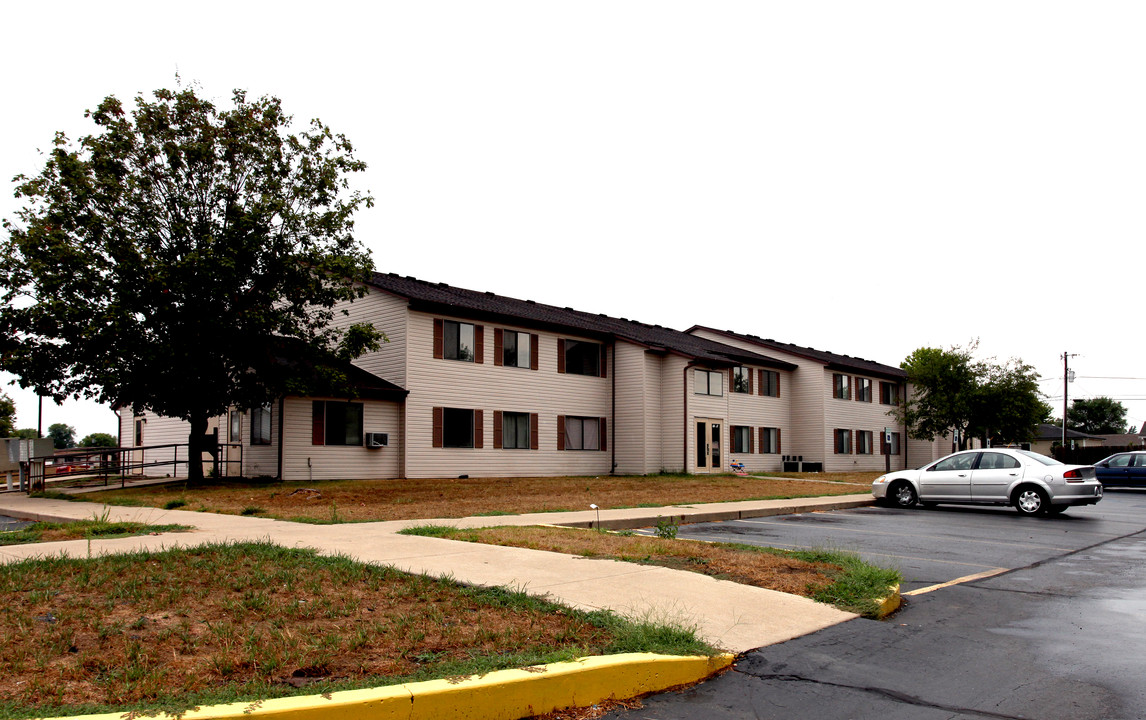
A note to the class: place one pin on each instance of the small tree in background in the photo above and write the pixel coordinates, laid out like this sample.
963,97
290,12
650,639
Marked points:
1096,416
63,436
162,262
99,439
7,416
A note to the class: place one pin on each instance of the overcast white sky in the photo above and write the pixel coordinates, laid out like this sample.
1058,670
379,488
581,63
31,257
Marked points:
861,177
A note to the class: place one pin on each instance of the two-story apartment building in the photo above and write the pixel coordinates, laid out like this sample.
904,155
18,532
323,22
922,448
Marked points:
478,384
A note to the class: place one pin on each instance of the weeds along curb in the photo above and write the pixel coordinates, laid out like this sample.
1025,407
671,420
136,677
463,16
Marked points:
889,604
499,695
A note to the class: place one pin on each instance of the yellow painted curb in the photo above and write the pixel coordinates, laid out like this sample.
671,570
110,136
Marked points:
889,604
499,695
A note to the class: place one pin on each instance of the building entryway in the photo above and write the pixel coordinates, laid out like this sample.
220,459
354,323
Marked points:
708,447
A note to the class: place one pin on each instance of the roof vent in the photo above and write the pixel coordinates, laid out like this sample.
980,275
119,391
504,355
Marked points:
411,277
442,285
487,292
531,302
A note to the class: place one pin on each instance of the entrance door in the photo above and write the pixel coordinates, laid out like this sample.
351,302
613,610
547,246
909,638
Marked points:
708,450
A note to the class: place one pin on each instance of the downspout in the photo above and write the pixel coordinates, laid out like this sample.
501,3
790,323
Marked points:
613,418
282,405
684,384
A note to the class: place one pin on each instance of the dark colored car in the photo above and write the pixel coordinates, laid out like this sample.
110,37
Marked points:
1126,469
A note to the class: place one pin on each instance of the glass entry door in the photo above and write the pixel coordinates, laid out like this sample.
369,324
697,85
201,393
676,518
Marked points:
708,448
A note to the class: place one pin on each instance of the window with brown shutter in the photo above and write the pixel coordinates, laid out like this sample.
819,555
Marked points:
560,428
533,422
479,344
479,429
603,444
561,355
318,423
497,348
497,429
534,351
438,338
778,445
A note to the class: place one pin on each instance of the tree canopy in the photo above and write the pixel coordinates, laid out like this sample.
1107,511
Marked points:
63,435
1096,416
98,439
161,261
7,416
953,392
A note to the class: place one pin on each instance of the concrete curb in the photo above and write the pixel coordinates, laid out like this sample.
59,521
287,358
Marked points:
499,695
686,517
889,604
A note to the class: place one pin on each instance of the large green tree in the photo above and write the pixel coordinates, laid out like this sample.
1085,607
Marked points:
1096,416
951,391
161,261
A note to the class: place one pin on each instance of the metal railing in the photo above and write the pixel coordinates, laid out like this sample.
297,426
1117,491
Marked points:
121,463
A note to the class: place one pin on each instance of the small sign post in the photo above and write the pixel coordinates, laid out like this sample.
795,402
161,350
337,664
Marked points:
887,436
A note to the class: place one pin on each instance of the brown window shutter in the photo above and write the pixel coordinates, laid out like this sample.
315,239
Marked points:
561,356
438,338
749,380
836,441
760,381
604,440
533,352
533,431
437,432
479,344
479,429
882,444
604,361
498,344
762,439
777,384
778,431
317,423
751,440
497,429
560,428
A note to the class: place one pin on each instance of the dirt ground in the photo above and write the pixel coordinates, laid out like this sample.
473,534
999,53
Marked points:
404,499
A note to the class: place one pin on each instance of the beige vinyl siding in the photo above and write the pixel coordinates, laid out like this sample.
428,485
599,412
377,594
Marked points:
711,407
630,426
305,461
159,430
675,434
387,314
488,387
757,411
855,415
260,459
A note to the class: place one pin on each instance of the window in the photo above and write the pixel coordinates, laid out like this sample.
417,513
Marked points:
997,461
843,442
864,441
770,440
580,433
955,462
335,423
577,357
709,382
742,380
261,425
1121,461
741,439
893,448
235,432
863,389
888,393
514,349
770,383
457,428
841,390
458,341
515,430
139,432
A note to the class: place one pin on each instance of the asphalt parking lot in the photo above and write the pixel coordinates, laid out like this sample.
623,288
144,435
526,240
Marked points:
946,544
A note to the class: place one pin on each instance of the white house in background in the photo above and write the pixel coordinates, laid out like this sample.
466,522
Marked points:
478,384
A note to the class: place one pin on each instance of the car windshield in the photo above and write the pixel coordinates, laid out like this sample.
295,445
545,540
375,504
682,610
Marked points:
1041,458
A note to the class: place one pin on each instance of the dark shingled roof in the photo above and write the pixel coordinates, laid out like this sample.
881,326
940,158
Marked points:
830,359
459,302
1054,432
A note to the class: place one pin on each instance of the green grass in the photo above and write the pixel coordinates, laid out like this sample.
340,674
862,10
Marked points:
98,528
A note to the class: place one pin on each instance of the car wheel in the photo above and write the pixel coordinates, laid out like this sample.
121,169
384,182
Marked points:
902,494
1030,500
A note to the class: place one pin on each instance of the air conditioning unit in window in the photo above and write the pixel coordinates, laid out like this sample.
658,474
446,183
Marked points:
377,440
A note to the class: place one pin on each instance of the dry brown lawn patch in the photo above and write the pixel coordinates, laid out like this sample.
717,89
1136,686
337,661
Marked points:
405,499
226,622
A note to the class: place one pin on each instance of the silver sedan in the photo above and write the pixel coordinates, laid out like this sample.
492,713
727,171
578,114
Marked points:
1032,483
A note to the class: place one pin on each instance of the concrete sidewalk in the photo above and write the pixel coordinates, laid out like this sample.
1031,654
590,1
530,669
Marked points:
734,617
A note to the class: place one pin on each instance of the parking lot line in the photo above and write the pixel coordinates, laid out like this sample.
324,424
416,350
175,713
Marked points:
957,581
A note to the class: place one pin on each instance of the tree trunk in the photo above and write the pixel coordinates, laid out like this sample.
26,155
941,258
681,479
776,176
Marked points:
195,448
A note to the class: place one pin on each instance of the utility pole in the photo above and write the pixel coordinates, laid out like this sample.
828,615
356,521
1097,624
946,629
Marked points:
1066,378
